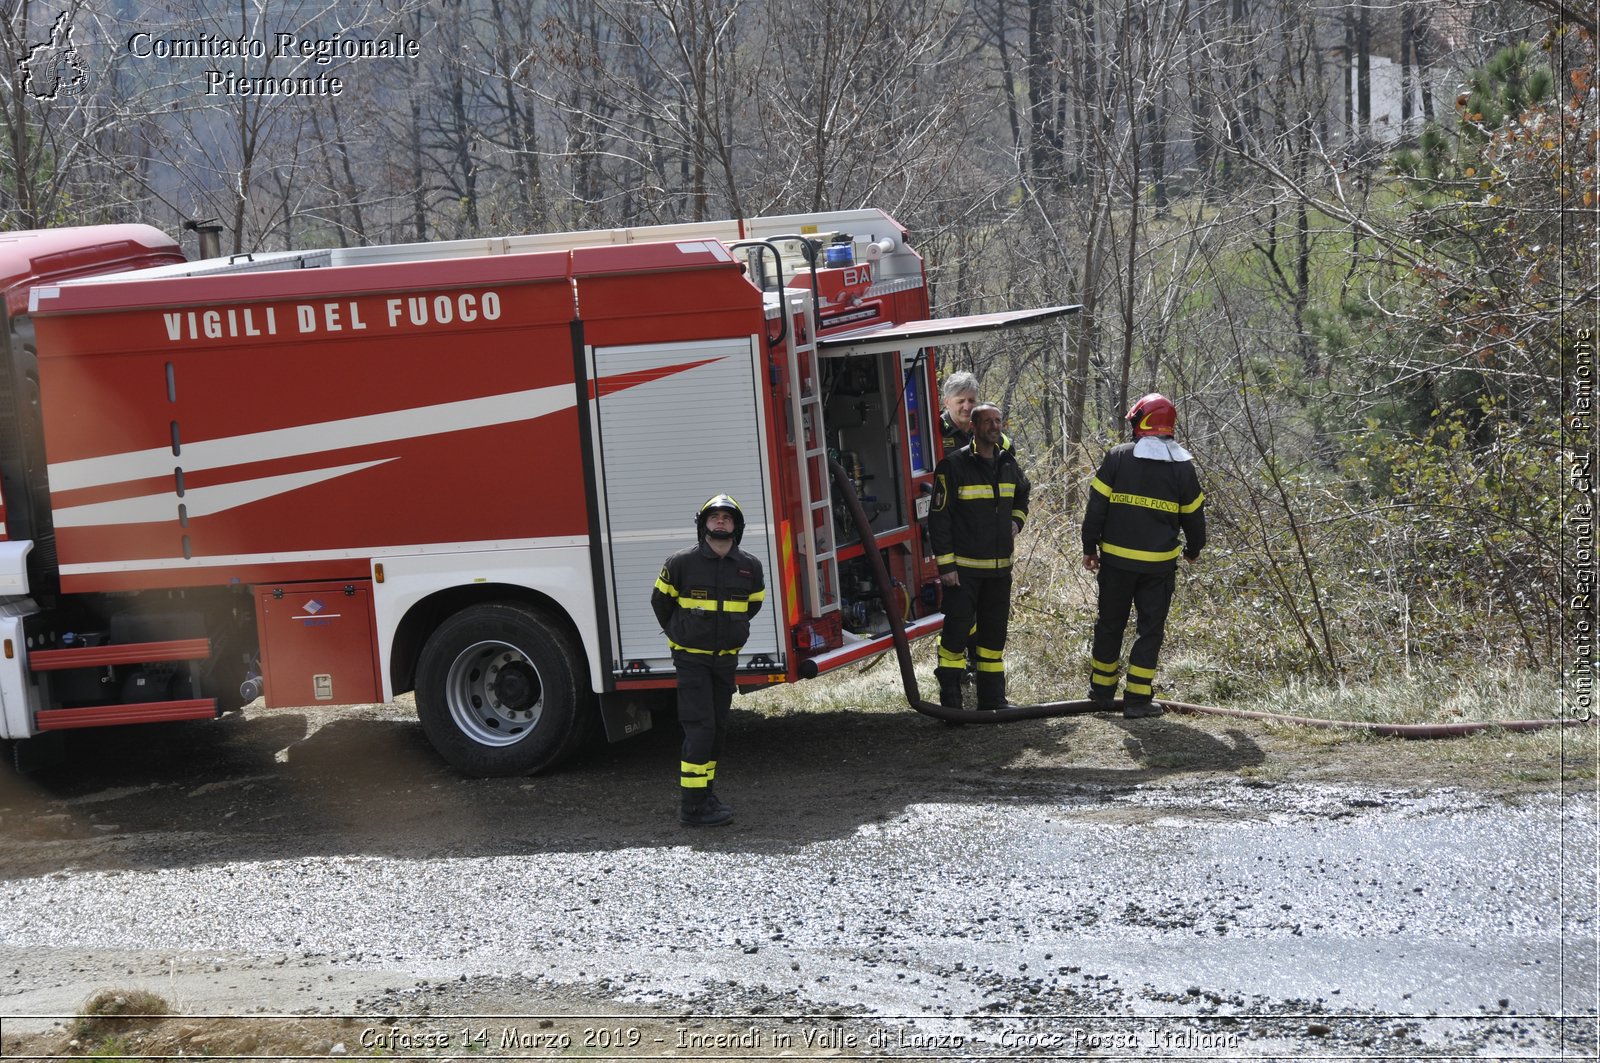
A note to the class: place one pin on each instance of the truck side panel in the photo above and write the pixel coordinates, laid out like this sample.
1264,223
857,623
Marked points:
697,429
680,412
338,431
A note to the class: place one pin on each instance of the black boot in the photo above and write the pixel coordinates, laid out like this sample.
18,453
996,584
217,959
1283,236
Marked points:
697,811
992,691
714,802
949,687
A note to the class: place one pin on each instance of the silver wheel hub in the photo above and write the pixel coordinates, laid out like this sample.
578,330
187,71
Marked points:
494,692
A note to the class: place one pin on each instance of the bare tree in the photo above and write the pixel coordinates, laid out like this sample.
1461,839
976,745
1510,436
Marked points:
73,122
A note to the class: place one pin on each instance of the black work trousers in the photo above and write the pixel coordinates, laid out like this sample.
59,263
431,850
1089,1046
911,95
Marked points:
1148,593
986,599
705,699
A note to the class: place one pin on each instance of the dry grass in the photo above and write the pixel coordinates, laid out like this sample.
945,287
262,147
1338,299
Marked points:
163,1034
1048,661
111,1011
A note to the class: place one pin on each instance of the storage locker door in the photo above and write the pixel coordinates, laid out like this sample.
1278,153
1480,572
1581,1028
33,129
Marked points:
675,424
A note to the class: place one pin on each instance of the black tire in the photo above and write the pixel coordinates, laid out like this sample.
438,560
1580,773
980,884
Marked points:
502,691
224,672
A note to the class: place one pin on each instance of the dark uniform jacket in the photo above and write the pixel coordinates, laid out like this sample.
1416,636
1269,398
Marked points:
1137,507
705,602
974,503
954,438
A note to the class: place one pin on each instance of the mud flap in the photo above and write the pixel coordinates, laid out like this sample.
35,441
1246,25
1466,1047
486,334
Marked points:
45,750
627,713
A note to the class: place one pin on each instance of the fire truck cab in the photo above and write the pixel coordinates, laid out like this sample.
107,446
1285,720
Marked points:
335,476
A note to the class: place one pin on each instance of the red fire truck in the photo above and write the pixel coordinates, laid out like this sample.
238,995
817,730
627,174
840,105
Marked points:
331,477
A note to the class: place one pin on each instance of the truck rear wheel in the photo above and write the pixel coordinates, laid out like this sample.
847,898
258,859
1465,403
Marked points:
501,691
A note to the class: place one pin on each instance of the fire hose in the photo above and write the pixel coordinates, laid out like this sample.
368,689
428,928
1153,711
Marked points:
1014,713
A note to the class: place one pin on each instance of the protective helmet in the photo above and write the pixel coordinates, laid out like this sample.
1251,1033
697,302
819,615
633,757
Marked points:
1153,415
722,502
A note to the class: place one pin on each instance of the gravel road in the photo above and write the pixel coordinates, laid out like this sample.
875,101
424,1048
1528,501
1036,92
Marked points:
1076,888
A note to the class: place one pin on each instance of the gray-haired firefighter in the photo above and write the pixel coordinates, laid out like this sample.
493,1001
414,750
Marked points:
704,599
980,502
1143,495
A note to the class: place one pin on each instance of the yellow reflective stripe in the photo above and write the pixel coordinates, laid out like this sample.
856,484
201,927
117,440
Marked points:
1102,666
951,659
1141,555
945,559
987,562
1138,688
1101,486
1103,680
1142,673
759,596
990,655
1146,501
1199,500
696,776
991,666
728,605
709,653
1019,515
666,588
985,491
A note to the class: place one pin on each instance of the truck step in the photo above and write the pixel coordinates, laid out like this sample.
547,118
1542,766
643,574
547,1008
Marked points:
114,715
119,653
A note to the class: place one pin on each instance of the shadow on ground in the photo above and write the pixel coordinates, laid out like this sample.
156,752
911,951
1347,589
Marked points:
268,786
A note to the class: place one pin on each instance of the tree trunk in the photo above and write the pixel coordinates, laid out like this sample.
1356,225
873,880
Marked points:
1421,25
419,195
1364,69
1008,81
1407,74
1155,119
1347,91
1044,142
352,194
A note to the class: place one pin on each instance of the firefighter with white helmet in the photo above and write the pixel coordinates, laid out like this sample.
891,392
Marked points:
704,599
1144,495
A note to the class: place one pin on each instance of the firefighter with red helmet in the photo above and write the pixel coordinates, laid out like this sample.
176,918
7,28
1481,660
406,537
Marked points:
980,502
1143,496
705,598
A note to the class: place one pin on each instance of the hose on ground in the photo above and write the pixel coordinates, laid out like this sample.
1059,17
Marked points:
1014,713
1386,730
902,647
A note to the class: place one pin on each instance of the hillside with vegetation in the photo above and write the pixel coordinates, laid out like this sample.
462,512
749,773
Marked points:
1374,306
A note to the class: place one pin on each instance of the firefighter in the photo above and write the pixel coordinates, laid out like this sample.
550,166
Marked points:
704,599
1143,495
980,502
960,394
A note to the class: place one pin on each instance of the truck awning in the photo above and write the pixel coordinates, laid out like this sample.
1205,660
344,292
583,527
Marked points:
937,332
